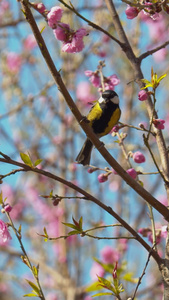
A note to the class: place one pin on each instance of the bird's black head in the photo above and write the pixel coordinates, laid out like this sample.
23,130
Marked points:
109,94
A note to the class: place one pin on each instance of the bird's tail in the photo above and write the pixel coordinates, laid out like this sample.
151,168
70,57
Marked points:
85,153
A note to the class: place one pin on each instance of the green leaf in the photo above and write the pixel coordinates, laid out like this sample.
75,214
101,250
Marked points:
93,287
105,283
35,270
120,288
70,225
1,198
5,199
102,294
145,81
73,232
30,295
42,29
37,162
34,287
26,159
161,77
107,267
81,223
45,231
19,229
129,277
51,194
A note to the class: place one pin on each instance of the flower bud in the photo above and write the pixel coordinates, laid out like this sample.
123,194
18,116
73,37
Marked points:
142,95
138,157
131,12
102,177
132,173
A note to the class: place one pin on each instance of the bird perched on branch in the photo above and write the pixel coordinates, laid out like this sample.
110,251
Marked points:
102,117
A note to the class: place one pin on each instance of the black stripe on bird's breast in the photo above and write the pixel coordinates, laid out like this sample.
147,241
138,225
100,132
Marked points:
100,124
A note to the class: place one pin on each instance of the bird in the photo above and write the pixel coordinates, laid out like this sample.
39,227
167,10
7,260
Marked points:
102,117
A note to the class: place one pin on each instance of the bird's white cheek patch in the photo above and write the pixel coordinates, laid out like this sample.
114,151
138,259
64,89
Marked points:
101,100
115,100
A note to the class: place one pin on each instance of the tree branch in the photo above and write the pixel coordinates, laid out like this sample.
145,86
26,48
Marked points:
150,52
85,126
88,197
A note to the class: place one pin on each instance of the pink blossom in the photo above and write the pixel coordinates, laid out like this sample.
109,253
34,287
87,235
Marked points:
4,233
114,186
101,53
163,199
83,93
53,228
123,245
164,231
30,42
138,157
142,95
8,192
94,78
14,62
144,231
131,12
68,119
4,6
111,81
40,7
17,210
88,73
132,173
51,296
72,167
160,55
88,298
114,172
8,208
158,237
96,269
54,16
3,288
105,38
57,140
75,44
62,31
115,129
102,177
109,255
161,232
71,240
159,123
157,29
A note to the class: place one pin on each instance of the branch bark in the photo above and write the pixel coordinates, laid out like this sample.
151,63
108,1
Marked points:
88,197
85,126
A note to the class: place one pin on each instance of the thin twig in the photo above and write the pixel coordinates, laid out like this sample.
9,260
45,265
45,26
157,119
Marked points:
11,173
140,278
150,52
26,259
97,27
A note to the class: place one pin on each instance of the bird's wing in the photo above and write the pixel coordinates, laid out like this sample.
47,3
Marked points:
94,113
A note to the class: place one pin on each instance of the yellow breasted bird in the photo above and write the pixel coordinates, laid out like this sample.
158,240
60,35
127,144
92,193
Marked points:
102,117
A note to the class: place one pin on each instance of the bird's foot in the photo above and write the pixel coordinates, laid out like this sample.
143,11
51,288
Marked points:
84,119
101,145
